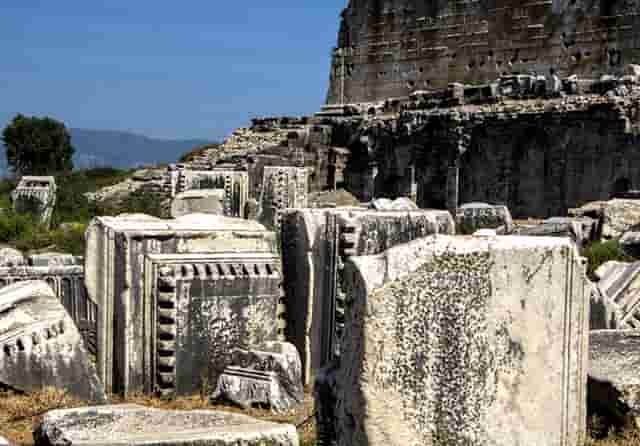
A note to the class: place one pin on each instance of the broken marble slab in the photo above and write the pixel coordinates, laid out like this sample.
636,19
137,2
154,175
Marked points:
619,283
269,374
465,341
134,425
614,381
40,345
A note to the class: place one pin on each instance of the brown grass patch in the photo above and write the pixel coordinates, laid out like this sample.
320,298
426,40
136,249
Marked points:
20,413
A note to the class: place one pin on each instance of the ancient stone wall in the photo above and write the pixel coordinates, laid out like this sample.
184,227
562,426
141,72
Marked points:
396,47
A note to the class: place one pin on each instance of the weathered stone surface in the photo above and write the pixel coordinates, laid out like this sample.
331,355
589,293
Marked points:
175,297
35,195
3,442
368,67
315,242
465,341
473,216
282,188
399,204
40,345
619,284
581,230
137,425
630,242
269,374
614,382
53,259
234,182
202,201
618,215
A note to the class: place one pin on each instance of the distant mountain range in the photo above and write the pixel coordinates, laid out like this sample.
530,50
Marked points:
112,148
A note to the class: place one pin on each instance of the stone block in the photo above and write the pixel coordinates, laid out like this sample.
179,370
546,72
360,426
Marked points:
203,201
11,257
269,374
282,188
465,341
137,425
399,204
619,283
35,195
618,215
235,184
473,216
53,259
175,297
40,345
315,242
614,383
581,230
3,442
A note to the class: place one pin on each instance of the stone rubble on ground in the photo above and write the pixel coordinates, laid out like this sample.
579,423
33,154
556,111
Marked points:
134,425
619,285
269,374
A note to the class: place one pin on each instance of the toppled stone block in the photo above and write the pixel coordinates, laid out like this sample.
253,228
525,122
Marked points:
614,382
203,201
619,283
40,345
282,188
137,425
465,340
473,216
315,243
269,374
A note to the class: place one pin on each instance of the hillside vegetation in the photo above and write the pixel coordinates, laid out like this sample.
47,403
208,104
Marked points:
72,212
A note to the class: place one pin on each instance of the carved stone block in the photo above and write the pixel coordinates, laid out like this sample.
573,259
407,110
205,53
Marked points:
282,188
235,184
465,341
35,195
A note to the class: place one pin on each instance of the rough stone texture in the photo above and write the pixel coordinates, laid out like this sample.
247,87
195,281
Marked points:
3,442
40,345
314,244
136,425
203,201
269,374
282,188
630,241
473,216
391,49
35,195
614,383
581,230
618,215
465,341
53,259
619,285
399,204
175,296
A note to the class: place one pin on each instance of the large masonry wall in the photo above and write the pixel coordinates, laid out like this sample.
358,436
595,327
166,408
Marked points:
394,47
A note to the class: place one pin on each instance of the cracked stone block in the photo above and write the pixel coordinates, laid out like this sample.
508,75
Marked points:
40,345
134,425
465,341
268,374
614,383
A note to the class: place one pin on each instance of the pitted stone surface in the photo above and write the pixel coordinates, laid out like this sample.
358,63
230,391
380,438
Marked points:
40,345
11,257
465,341
137,425
614,383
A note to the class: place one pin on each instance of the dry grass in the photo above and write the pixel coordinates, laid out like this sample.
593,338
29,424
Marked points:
19,413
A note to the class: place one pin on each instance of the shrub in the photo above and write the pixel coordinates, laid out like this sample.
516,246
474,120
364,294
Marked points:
599,253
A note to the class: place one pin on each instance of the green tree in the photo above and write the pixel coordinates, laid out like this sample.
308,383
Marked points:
38,146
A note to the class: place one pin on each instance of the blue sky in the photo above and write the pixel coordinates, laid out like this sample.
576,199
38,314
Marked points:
166,69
